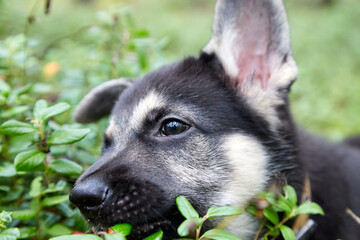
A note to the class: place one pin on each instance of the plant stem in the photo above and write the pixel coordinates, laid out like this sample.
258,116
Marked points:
292,214
352,214
38,222
198,229
29,20
259,231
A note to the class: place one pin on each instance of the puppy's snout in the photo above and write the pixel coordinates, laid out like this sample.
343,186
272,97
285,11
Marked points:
89,195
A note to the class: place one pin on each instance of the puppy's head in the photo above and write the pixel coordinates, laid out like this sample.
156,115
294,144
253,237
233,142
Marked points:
214,128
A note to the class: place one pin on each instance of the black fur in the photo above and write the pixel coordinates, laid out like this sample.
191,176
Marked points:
137,177
197,83
334,174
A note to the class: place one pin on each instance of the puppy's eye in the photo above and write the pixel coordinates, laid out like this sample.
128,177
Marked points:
173,127
107,141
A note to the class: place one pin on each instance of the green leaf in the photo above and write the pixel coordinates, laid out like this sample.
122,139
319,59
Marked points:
287,233
13,127
35,189
24,215
284,205
29,161
17,92
275,232
7,170
77,237
123,228
39,109
58,229
185,208
2,100
217,234
270,197
66,167
27,232
310,208
51,201
4,87
115,236
21,143
52,188
251,209
8,113
13,194
224,211
67,136
85,157
55,110
272,215
156,236
5,216
4,189
290,194
10,234
188,225
142,54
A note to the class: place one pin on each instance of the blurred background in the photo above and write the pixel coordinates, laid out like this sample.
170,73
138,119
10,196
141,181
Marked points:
58,50
82,43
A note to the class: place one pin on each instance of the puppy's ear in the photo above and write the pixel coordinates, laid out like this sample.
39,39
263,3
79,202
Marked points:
251,40
100,100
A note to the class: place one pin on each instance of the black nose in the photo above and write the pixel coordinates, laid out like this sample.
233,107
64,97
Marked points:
89,194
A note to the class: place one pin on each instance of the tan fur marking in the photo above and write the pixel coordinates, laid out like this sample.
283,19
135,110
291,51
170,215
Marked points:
249,176
151,101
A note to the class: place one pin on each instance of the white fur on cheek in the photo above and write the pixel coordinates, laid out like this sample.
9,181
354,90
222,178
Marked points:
248,160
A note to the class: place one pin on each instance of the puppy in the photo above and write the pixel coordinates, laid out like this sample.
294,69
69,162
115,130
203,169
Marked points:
216,129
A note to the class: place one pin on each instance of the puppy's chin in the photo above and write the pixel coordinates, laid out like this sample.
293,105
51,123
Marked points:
167,223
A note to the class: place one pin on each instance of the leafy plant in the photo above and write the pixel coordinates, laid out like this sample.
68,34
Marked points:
278,210
47,194
10,233
41,150
193,223
274,212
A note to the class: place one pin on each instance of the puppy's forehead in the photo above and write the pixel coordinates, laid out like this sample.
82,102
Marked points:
157,90
188,89
134,107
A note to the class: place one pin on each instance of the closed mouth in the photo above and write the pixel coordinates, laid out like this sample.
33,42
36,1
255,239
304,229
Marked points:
143,227
145,230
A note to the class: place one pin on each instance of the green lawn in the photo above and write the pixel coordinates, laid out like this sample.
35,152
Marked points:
325,39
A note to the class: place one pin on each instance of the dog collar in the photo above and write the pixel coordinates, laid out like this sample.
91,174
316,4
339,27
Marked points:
303,226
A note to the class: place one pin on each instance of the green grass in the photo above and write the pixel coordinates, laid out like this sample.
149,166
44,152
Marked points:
325,39
326,97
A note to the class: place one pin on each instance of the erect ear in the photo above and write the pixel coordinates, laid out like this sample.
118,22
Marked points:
251,40
100,100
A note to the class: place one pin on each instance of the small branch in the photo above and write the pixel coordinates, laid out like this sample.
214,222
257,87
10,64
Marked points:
259,231
198,230
353,215
29,20
47,6
55,41
279,224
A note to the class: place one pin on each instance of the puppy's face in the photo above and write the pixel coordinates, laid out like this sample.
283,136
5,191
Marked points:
208,128
177,131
